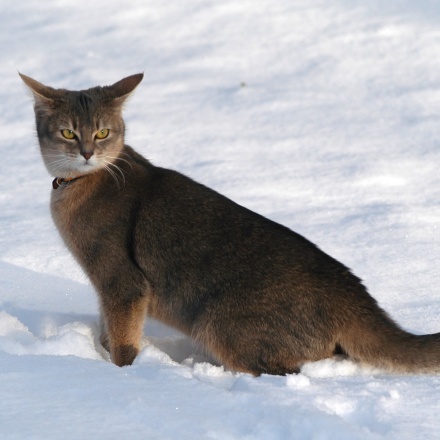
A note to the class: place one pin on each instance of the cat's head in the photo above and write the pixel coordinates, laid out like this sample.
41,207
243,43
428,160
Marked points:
80,131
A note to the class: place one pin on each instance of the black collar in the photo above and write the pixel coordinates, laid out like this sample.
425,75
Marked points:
61,182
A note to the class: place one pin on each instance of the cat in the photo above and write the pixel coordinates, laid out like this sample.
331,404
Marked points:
257,296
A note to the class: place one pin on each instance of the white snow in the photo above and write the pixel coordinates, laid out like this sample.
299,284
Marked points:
320,115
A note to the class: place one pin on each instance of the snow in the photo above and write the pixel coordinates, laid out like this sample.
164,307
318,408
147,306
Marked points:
320,115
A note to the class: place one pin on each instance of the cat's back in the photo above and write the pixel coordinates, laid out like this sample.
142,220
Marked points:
189,224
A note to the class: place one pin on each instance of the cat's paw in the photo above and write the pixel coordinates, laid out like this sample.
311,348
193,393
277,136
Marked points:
124,355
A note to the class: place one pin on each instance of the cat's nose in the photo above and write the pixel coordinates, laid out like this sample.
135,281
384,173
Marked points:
86,155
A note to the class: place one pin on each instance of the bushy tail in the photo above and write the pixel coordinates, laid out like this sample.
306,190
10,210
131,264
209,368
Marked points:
381,343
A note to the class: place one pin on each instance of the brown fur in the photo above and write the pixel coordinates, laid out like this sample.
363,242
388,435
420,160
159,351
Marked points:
258,296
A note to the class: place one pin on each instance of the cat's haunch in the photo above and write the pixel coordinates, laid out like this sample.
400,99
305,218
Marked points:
254,294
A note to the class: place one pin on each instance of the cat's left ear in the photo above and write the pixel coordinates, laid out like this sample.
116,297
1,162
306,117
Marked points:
121,90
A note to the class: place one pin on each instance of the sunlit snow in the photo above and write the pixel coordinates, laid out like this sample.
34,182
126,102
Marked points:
323,116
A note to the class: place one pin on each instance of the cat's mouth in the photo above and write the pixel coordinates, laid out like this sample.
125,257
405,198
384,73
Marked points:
88,161
80,165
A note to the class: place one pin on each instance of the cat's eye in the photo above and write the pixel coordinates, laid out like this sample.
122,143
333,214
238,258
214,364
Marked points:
102,134
68,134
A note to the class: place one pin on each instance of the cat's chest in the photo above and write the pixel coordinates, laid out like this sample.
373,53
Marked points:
68,208
84,215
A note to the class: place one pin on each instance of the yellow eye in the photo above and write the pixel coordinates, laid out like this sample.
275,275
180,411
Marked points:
68,134
102,134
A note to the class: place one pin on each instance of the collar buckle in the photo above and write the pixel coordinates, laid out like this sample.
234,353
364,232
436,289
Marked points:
61,182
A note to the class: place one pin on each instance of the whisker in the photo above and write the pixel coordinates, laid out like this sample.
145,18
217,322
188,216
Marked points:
125,154
111,164
57,162
58,167
113,174
58,159
122,160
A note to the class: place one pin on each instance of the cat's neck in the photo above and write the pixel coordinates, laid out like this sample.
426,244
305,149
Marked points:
113,178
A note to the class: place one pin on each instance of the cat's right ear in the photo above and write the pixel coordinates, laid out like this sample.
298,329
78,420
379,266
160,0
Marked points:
42,94
121,90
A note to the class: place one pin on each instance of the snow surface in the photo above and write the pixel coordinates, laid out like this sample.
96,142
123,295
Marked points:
320,115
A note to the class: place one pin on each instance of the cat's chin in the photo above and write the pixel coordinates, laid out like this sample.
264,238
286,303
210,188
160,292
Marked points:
81,170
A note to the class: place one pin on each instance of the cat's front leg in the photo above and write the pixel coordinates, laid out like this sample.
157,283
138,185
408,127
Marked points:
123,311
123,329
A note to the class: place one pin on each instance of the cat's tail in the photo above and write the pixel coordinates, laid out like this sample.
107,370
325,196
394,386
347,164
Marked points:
383,344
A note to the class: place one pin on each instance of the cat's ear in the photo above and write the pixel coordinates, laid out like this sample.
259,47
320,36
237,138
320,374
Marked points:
42,94
120,90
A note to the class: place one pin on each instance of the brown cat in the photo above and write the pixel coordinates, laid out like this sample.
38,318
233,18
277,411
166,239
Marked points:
257,296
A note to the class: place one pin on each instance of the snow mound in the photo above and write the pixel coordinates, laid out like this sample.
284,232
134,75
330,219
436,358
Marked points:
73,339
